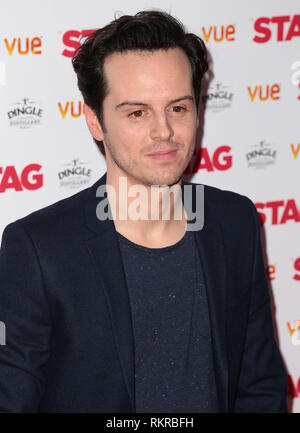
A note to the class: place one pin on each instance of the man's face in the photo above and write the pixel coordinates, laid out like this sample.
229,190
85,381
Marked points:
149,108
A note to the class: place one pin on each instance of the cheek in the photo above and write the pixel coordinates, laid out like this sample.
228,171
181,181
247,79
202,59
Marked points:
126,141
133,135
186,124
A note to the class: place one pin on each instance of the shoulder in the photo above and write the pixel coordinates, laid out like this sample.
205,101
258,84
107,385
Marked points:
63,216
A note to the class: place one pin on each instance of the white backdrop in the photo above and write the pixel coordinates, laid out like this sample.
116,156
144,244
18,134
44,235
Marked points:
250,136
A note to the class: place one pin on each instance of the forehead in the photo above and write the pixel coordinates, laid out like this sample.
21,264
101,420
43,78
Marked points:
160,73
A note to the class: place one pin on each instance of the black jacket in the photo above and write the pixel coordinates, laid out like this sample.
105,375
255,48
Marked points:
69,336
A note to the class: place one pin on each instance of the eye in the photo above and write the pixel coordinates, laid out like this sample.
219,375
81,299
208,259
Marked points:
178,109
137,114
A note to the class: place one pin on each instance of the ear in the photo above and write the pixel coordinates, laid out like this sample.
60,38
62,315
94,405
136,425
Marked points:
93,123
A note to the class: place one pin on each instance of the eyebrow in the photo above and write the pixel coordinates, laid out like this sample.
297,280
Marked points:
142,104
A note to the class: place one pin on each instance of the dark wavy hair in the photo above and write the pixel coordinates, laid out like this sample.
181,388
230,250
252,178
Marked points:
145,31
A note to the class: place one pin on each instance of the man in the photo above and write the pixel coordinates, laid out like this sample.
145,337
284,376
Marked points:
106,313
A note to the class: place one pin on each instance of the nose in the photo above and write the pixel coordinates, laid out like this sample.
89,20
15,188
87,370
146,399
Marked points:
161,129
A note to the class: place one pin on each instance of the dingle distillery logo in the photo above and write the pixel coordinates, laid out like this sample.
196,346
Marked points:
262,155
218,98
25,114
75,174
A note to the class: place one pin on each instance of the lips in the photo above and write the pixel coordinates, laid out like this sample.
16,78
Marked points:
162,152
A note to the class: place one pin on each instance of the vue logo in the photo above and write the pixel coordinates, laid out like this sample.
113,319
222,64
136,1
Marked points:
23,46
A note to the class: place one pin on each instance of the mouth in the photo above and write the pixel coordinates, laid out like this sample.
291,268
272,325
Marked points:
163,155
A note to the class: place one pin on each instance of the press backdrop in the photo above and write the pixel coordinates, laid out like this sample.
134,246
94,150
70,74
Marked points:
250,134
